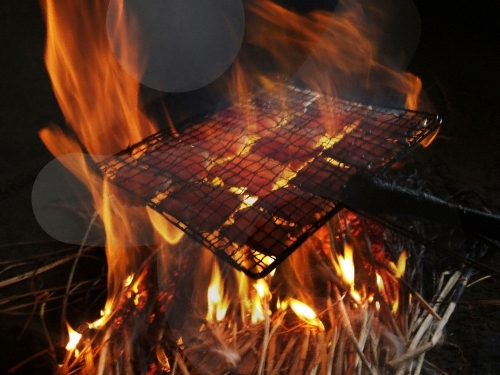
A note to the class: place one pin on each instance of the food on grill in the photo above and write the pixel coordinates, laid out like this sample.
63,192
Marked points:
142,182
363,149
262,126
322,178
256,229
203,207
294,150
295,206
252,122
289,144
183,161
224,143
252,171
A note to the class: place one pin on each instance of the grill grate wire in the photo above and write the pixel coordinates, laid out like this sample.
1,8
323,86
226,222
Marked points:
252,182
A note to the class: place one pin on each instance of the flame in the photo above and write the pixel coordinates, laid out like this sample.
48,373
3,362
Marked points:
401,264
99,101
305,313
243,295
218,303
252,297
261,297
380,282
74,338
281,305
388,285
395,304
162,359
337,53
98,98
346,265
169,232
345,268
248,200
105,315
128,280
399,268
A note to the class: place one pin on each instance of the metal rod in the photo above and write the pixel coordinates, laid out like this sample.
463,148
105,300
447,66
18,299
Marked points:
375,196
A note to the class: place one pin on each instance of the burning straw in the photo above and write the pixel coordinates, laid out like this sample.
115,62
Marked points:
347,302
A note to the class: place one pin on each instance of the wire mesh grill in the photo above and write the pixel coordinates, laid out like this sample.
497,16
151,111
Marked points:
255,180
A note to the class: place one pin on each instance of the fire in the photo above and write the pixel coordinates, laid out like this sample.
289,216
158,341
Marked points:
305,313
346,266
98,98
218,303
248,200
400,267
388,285
105,314
380,282
170,233
128,280
259,299
74,338
100,103
337,53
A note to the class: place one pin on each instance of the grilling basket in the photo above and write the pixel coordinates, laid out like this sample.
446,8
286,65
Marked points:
253,181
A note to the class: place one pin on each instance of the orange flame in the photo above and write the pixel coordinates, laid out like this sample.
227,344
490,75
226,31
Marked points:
380,282
105,315
336,53
399,268
74,338
261,297
387,282
346,266
305,313
100,103
401,265
218,303
98,98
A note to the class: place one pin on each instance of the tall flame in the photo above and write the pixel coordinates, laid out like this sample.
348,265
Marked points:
100,103
337,53
98,98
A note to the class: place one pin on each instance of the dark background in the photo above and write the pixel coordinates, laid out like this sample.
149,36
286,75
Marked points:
458,60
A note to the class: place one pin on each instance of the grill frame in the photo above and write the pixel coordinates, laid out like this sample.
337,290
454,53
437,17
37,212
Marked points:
162,170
